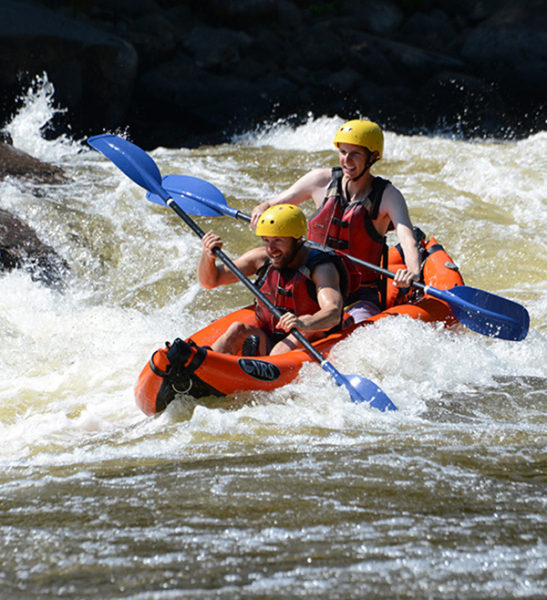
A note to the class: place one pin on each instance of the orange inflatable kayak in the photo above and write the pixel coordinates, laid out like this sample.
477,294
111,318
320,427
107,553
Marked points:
189,367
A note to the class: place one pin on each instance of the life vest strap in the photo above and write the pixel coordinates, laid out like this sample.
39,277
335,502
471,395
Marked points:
336,243
284,292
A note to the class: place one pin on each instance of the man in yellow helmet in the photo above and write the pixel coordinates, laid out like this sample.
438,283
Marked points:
355,210
304,284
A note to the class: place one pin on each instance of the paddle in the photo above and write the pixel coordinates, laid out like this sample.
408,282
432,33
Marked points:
481,311
141,168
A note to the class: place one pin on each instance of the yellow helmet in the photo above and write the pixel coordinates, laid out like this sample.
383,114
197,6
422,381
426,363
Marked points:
361,133
282,220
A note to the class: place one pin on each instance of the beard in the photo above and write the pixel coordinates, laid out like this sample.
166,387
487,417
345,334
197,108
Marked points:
285,260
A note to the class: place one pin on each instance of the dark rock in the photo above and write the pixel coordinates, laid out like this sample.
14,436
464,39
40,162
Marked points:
21,248
511,47
447,97
288,15
93,72
381,18
214,48
431,30
345,81
415,64
237,13
5,137
190,73
17,163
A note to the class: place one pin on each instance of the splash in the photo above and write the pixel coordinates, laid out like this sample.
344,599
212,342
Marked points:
315,134
33,117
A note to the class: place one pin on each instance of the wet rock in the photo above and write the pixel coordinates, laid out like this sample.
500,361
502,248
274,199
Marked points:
511,48
196,72
21,248
17,163
93,71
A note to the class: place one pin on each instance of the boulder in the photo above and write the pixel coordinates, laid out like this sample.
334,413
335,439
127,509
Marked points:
511,48
17,163
21,248
93,71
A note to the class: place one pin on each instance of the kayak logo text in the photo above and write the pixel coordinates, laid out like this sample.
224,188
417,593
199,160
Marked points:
259,369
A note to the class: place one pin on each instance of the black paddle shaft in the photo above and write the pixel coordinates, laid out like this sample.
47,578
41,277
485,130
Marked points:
245,280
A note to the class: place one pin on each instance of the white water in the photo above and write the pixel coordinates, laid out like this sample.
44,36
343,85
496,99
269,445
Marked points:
69,361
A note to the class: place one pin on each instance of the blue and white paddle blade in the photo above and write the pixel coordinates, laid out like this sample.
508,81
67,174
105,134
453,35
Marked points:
362,389
194,195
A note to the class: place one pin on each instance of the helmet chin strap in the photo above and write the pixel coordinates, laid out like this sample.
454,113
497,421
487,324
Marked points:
367,166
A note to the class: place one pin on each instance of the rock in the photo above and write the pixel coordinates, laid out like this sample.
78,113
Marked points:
511,47
17,163
214,48
174,74
430,30
381,18
237,13
93,72
21,248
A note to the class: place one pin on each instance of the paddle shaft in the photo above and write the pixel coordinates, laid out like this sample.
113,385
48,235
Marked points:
245,280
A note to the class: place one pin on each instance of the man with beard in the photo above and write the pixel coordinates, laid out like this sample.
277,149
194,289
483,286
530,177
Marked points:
304,284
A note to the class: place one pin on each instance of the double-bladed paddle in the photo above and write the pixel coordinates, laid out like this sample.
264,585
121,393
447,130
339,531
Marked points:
479,310
141,168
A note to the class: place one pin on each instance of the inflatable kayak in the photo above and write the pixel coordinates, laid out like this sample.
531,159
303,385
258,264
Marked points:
189,367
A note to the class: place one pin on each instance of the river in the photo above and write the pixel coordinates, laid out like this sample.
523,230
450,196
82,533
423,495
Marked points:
292,494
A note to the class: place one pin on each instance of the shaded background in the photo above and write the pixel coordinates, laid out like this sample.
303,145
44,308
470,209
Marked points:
177,73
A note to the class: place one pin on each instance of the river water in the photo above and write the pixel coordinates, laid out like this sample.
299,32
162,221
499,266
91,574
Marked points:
297,493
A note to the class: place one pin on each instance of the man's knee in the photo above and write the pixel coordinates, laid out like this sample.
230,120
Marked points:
237,330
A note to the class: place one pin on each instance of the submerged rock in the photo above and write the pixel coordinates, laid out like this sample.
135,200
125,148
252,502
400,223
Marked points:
17,163
21,248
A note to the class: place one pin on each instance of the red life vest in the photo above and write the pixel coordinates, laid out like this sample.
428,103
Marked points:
349,227
292,289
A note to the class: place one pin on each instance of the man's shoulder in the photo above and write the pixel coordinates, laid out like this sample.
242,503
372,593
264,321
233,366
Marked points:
391,192
254,256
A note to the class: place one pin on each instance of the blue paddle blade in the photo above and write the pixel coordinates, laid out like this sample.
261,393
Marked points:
362,389
130,159
195,196
487,313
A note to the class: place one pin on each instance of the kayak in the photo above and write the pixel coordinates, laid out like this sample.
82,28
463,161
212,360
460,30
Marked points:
190,368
